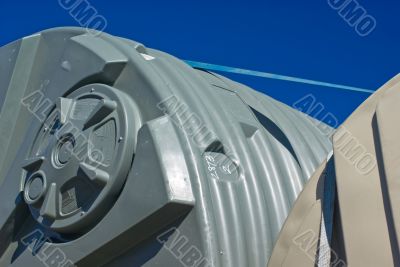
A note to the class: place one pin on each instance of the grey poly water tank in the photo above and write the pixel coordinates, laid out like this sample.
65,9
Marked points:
114,154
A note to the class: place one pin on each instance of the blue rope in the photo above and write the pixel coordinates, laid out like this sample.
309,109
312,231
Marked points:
214,67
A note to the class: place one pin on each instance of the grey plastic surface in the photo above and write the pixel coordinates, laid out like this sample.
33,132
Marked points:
204,173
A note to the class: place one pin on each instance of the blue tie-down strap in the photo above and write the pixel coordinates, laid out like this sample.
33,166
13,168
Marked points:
214,67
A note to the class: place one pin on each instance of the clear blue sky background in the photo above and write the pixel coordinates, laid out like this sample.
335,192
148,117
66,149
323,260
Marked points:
305,39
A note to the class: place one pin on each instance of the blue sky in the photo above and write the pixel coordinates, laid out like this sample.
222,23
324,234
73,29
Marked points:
306,39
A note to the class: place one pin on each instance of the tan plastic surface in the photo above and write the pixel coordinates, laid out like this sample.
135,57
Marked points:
367,166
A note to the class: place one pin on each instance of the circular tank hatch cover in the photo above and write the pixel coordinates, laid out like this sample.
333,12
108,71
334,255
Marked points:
80,158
